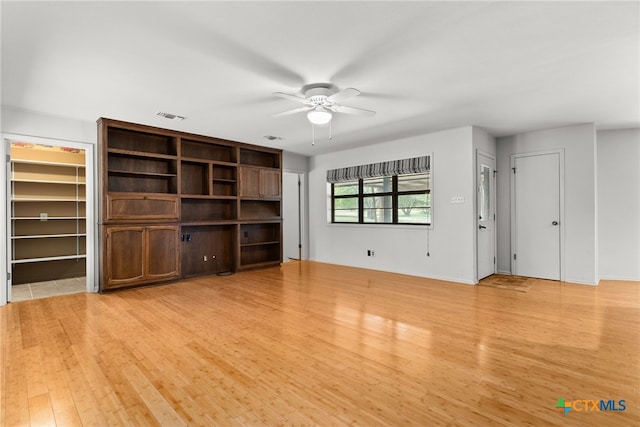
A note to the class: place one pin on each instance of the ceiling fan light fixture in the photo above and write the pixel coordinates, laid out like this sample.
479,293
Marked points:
319,116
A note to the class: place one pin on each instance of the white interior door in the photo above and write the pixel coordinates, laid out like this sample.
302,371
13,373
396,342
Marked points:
536,215
291,216
485,212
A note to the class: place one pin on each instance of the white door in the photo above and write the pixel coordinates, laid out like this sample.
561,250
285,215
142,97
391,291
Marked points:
536,215
291,216
485,212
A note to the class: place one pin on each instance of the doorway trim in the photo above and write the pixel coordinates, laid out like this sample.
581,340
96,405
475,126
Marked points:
5,264
514,156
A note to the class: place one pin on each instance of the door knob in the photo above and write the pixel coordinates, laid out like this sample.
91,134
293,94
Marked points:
481,227
554,223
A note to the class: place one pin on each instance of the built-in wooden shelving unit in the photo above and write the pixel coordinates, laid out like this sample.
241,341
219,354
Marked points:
218,201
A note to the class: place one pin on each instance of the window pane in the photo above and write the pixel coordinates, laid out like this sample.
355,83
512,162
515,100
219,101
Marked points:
345,188
378,209
346,209
484,207
382,184
414,209
417,182
382,216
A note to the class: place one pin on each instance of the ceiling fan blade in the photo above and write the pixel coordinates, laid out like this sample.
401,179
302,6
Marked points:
344,94
291,97
353,110
294,111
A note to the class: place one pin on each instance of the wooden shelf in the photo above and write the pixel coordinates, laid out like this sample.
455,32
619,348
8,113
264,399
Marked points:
276,242
201,197
134,173
209,222
133,153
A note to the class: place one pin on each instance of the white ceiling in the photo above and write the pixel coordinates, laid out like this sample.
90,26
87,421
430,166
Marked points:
507,67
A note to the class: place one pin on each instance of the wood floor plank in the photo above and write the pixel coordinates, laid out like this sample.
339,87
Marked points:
316,344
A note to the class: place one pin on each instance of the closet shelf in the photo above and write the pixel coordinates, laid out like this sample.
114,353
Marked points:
46,163
44,181
47,199
48,218
48,212
52,258
47,236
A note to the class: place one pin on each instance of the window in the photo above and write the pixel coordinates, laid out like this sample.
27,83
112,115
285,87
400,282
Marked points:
374,194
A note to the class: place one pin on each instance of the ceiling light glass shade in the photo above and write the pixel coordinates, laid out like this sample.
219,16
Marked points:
319,116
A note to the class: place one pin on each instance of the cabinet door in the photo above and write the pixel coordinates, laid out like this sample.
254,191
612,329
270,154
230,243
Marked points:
249,182
162,252
269,183
124,256
149,207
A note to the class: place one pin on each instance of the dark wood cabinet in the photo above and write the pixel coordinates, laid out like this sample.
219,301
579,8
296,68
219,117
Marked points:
260,183
174,204
136,255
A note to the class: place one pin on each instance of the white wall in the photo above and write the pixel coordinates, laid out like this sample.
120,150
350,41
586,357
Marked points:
580,221
619,203
31,123
403,249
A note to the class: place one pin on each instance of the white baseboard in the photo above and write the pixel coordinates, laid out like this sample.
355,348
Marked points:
507,273
621,278
580,282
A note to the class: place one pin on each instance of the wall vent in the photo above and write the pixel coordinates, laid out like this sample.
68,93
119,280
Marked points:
170,116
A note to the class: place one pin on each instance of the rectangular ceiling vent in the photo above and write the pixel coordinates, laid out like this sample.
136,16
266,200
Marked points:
170,116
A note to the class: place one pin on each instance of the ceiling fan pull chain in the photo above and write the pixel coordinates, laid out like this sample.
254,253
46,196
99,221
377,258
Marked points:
330,137
313,134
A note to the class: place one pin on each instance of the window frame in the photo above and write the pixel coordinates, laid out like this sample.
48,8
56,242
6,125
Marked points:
394,193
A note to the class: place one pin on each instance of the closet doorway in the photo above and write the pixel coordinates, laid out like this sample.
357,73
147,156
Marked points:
49,222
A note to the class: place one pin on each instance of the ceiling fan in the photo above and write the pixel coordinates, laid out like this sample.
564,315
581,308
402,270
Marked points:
320,101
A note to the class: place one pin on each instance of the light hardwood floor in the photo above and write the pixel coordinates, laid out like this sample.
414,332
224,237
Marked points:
318,344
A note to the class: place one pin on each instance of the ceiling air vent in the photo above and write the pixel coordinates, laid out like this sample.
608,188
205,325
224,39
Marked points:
170,116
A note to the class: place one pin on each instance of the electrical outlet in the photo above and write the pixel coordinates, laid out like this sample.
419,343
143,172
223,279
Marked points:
205,258
373,253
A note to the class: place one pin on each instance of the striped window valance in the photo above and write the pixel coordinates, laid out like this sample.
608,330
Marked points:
391,168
